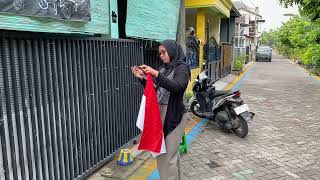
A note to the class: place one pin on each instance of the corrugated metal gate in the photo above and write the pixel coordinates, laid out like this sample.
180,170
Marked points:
66,104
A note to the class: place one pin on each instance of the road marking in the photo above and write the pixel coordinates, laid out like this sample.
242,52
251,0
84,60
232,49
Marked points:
239,174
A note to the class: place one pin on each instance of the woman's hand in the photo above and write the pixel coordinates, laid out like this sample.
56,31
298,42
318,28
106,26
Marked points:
137,72
147,69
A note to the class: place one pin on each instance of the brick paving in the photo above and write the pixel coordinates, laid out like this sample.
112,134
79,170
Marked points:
284,138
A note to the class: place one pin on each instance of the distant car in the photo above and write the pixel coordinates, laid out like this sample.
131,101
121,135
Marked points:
264,53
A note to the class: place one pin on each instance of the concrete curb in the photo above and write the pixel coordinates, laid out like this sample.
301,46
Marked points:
297,62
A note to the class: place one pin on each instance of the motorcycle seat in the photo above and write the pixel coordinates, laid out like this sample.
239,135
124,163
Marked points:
218,93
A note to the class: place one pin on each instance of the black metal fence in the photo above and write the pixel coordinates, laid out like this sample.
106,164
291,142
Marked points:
151,58
66,105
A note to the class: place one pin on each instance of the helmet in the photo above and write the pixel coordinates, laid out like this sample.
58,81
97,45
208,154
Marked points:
190,31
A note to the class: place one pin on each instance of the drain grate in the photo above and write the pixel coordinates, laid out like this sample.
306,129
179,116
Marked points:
213,164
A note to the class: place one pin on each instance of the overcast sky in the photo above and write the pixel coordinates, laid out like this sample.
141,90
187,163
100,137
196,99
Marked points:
272,12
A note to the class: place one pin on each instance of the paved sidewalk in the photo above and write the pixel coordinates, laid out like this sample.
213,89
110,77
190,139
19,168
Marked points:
283,140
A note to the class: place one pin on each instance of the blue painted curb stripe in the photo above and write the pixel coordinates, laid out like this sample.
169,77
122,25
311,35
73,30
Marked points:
196,130
236,86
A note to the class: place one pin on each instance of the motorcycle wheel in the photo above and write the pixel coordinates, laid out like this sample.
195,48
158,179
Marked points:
242,130
194,107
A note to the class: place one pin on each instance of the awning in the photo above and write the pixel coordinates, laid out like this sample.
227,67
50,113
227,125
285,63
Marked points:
219,6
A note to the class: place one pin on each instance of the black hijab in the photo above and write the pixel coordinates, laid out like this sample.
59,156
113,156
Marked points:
176,55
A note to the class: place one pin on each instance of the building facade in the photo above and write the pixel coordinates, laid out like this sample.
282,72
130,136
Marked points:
247,30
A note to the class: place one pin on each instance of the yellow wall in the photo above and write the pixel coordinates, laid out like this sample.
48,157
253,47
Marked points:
201,34
194,73
214,29
199,22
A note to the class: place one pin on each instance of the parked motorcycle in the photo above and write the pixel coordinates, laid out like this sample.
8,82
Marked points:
225,109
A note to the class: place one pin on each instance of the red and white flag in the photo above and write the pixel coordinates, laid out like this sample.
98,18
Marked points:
149,121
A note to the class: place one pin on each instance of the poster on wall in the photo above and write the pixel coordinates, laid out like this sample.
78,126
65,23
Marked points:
71,10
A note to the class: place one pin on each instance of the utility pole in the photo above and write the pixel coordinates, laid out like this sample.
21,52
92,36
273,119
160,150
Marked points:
181,30
255,32
255,28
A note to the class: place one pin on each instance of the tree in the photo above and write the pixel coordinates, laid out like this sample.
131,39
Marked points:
299,38
308,8
268,37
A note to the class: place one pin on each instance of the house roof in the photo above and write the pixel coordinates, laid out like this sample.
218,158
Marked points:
240,5
234,12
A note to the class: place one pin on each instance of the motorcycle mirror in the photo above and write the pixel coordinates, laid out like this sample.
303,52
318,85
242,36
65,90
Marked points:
202,75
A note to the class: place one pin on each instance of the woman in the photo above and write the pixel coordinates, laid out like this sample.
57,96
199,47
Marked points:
171,82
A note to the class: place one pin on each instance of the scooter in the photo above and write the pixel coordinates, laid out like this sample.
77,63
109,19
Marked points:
225,109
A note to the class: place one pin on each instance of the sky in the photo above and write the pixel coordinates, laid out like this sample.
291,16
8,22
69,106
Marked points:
272,12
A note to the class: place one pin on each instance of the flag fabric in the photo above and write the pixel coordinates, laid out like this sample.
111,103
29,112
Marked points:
149,121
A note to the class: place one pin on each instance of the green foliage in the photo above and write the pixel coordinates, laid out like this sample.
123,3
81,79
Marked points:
239,63
299,38
294,33
308,8
268,38
311,58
